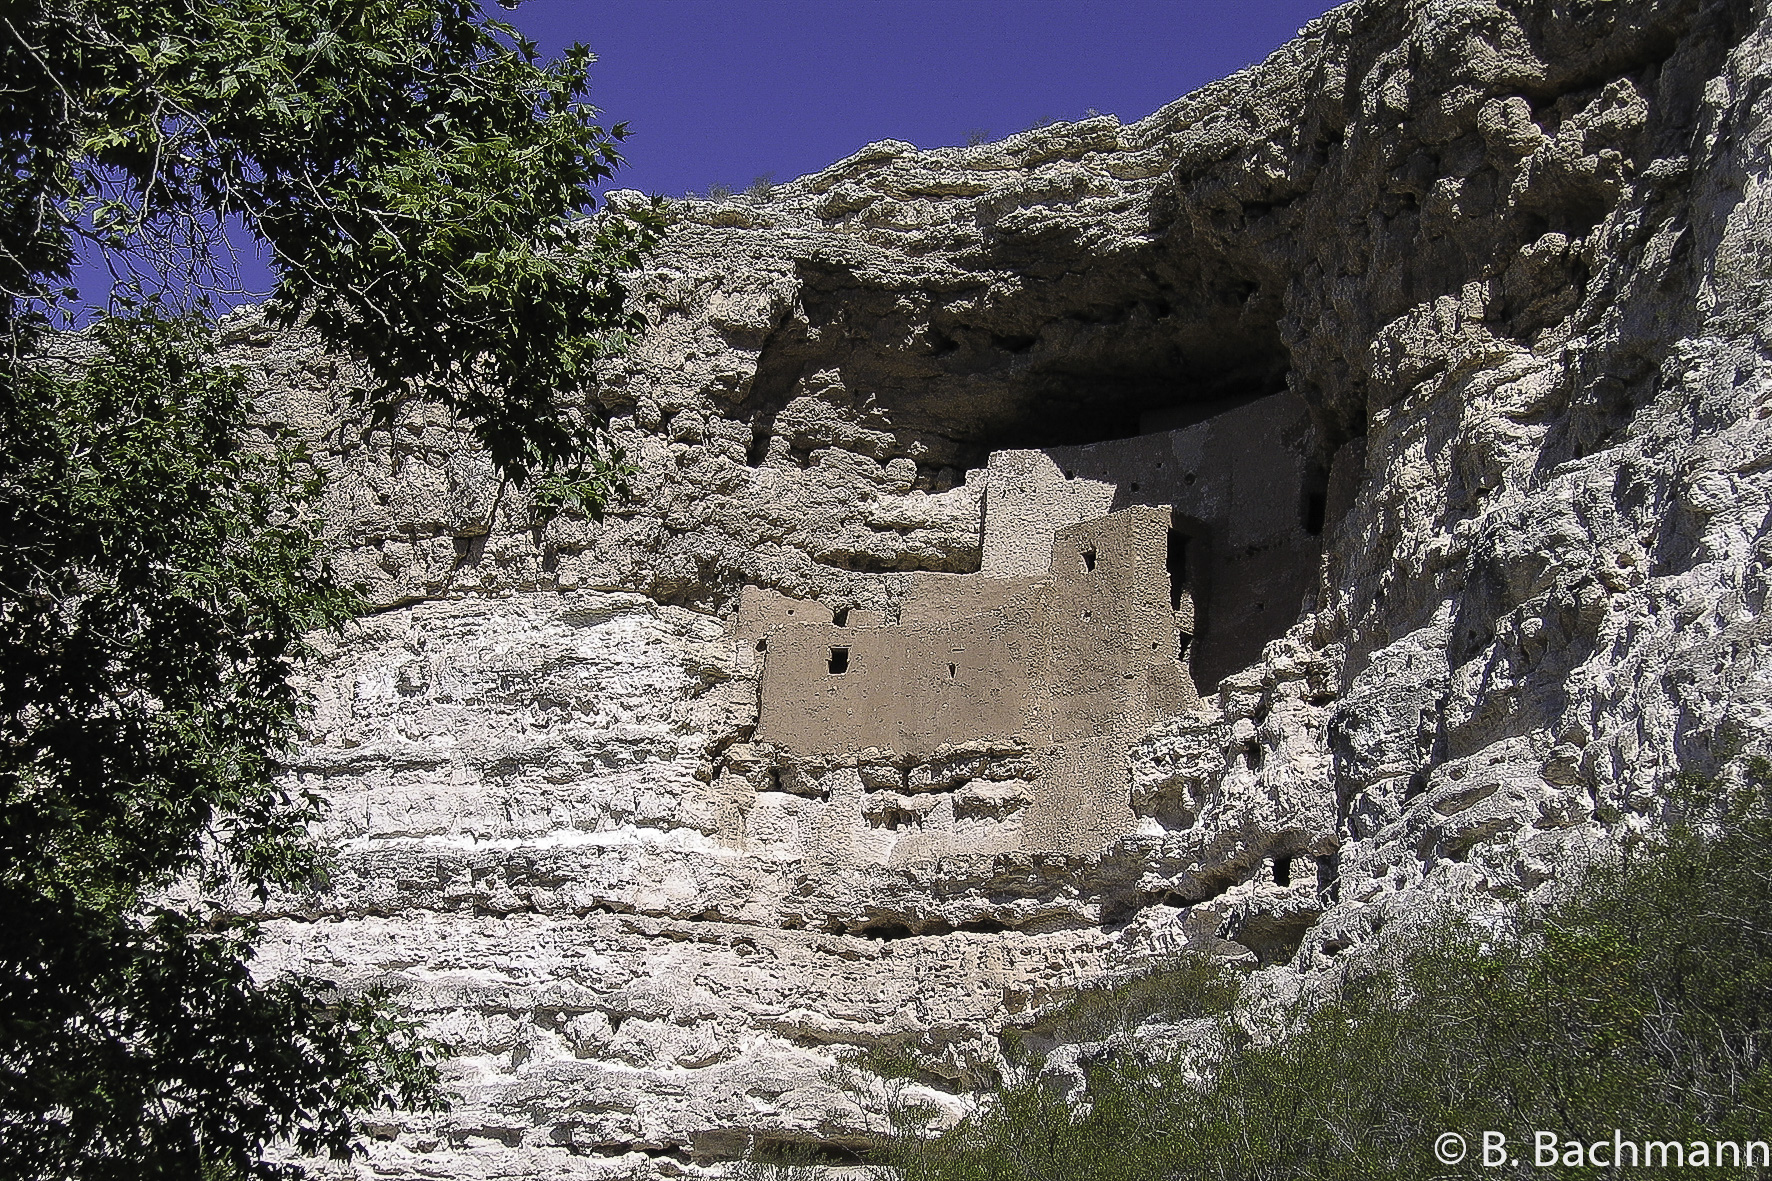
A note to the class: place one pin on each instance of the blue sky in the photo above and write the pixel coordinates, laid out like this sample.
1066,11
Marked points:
722,91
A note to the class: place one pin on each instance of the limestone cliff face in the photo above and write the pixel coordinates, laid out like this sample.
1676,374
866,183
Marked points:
1511,257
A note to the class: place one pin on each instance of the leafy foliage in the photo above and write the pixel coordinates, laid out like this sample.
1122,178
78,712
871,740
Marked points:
412,166
157,581
418,175
1639,1003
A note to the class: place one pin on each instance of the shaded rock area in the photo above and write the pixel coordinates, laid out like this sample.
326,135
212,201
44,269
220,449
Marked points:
1511,258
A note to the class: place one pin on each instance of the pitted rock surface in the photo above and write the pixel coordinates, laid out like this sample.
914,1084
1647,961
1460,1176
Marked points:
1512,257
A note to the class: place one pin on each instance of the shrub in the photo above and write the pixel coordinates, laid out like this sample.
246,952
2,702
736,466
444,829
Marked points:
1640,1003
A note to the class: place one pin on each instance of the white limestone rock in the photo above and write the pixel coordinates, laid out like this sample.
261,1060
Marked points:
1512,258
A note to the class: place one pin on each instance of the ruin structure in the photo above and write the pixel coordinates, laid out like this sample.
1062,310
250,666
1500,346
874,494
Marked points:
1084,627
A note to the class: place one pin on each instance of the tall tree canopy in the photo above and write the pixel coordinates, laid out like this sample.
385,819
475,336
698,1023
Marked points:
418,176
411,165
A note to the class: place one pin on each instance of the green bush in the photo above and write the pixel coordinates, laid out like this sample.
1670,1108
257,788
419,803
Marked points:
1640,1005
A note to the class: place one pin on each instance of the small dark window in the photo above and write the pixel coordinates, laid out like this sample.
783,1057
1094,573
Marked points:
1282,871
951,670
1088,559
763,644
841,618
1181,647
839,661
1135,485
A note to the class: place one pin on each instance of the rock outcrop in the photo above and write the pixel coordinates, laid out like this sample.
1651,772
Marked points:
1512,258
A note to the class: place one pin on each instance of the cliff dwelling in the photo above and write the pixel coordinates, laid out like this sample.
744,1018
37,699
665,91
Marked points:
1340,497
1116,579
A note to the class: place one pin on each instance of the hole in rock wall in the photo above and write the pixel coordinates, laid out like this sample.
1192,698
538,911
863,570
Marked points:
1088,560
1314,507
841,618
839,662
1083,349
1282,871
784,1157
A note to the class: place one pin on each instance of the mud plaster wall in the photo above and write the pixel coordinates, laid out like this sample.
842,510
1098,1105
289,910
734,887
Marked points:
1088,656
1084,625
1242,481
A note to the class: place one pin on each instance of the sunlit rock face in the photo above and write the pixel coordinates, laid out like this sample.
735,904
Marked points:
1510,258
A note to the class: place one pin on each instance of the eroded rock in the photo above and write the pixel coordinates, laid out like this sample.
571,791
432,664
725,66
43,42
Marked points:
1509,259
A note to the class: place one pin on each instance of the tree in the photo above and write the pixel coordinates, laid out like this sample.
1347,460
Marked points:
413,169
417,175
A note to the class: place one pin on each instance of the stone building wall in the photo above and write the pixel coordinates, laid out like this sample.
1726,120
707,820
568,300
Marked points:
1088,656
1097,645
1245,491
1086,623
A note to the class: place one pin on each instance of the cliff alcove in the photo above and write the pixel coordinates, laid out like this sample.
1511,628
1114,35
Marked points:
1078,352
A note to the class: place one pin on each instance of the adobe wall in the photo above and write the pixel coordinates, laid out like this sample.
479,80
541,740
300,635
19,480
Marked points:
1089,649
1070,667
1243,475
1115,577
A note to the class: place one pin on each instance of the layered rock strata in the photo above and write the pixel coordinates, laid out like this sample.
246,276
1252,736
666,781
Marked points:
1511,259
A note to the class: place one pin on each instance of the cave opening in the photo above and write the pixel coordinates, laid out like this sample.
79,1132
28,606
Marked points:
1136,348
1072,402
